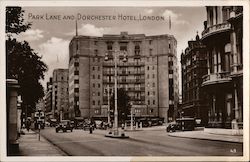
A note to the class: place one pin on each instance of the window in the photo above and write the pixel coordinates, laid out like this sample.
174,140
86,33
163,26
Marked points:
95,42
148,67
76,64
153,84
169,46
93,76
98,93
93,102
76,81
150,42
148,76
123,46
76,72
93,68
148,102
99,85
98,76
153,102
150,51
98,59
154,93
99,102
148,93
76,89
153,75
109,46
93,59
153,67
98,68
93,85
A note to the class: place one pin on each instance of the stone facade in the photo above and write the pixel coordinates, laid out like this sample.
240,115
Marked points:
60,107
151,65
223,83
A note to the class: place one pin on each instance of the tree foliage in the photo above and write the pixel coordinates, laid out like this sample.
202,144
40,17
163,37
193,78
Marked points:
123,104
15,21
23,63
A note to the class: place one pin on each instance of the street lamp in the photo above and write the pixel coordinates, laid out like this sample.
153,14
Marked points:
107,57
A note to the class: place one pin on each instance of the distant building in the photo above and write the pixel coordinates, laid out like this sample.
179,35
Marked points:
40,105
60,106
48,99
223,83
149,76
193,63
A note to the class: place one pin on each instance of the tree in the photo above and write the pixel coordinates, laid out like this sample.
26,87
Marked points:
23,63
123,104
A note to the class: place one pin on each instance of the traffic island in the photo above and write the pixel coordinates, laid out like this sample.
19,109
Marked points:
116,134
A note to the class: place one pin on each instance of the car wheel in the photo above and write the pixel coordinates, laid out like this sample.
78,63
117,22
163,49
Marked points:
56,131
71,130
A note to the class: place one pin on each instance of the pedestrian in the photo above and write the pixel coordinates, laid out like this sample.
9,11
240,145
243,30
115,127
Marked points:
28,123
90,129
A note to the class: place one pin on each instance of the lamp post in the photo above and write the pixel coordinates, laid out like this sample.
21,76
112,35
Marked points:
108,106
106,58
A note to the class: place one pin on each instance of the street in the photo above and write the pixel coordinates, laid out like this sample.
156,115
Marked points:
140,143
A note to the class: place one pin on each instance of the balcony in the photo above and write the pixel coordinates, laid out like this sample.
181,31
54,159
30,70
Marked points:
216,78
137,89
238,72
215,29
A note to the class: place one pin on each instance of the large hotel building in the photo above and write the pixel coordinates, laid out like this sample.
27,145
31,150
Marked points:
149,76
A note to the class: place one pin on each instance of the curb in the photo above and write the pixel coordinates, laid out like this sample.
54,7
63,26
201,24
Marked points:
59,149
206,139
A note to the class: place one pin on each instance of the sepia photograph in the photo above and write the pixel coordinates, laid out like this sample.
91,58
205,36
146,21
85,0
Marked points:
123,81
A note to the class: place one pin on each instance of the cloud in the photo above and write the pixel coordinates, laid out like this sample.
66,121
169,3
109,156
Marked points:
148,11
91,30
31,35
175,18
55,53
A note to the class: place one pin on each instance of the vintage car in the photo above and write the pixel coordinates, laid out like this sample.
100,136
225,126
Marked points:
64,125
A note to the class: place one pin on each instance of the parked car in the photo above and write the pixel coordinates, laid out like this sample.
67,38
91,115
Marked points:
173,126
184,124
156,122
86,126
53,122
64,125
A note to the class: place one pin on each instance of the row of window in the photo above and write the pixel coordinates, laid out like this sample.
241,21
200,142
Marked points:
98,68
153,76
153,84
153,67
150,102
94,102
153,93
99,85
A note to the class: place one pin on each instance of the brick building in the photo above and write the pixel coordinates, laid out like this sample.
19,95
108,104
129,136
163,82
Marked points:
193,63
149,76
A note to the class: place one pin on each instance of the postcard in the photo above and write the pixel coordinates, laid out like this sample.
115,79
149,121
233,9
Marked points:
125,80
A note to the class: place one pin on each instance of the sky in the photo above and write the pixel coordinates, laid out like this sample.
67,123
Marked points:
53,27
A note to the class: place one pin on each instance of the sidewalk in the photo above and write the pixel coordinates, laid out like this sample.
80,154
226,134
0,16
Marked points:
200,134
29,145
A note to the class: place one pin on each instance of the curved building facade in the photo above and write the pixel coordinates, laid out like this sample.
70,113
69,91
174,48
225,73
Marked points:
223,83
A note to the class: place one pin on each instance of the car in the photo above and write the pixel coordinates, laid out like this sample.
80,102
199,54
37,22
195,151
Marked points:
86,126
64,125
173,126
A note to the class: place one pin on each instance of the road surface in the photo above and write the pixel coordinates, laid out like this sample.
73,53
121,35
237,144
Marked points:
140,143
